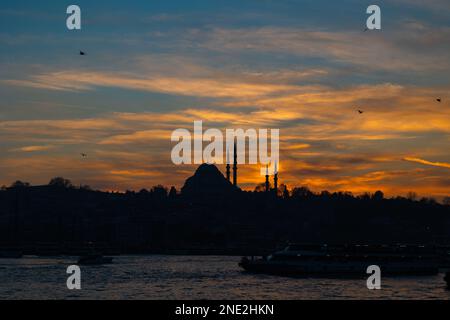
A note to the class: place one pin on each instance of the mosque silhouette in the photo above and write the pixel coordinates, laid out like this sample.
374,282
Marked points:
208,181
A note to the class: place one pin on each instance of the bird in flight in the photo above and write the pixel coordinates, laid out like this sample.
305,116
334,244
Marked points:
84,155
439,100
82,53
360,111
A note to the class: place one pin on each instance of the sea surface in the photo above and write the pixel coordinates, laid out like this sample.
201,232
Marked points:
157,277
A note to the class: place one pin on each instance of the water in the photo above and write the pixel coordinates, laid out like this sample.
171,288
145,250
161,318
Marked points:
191,277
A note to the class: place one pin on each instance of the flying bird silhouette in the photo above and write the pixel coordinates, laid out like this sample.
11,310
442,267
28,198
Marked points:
439,100
360,111
84,155
82,53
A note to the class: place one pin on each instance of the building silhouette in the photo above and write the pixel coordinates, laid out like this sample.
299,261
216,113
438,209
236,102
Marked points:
235,168
228,166
207,183
208,180
275,179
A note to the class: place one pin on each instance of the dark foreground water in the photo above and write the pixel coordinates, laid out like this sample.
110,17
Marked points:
191,277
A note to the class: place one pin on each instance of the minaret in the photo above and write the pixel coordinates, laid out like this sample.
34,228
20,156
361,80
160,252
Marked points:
267,179
228,166
275,178
235,165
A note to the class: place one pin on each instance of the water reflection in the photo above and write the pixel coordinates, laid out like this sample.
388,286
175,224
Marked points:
191,277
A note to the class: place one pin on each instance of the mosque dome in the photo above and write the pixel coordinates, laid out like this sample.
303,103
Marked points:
207,181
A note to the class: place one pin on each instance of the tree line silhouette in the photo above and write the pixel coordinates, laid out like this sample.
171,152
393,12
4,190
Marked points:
164,220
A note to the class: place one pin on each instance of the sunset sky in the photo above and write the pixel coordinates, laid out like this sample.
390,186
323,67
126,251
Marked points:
151,67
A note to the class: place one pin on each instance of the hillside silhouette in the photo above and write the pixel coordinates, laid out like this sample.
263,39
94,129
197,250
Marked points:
209,215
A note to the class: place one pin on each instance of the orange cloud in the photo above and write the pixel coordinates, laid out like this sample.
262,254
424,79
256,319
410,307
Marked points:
428,163
323,140
136,173
34,148
201,87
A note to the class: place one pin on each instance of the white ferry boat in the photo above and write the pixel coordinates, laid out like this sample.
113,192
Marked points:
349,260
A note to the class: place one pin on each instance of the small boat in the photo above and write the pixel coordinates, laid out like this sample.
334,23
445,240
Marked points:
447,279
94,260
345,260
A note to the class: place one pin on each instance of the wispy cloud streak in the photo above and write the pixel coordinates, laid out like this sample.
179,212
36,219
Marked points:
428,163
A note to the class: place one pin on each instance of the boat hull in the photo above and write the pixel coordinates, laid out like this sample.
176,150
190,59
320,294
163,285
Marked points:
333,269
447,279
